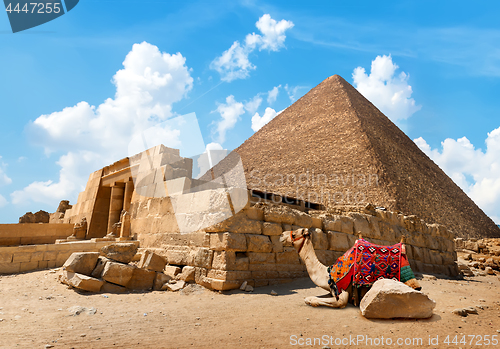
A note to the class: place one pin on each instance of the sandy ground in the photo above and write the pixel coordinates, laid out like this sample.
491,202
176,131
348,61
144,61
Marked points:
34,312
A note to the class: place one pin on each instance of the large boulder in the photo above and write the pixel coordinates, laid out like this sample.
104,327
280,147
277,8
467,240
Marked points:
142,279
117,273
64,206
39,217
152,261
81,262
120,252
80,281
389,299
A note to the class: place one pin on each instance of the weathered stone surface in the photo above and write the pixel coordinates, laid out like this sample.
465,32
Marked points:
271,229
277,244
173,286
202,257
101,262
112,288
172,271
303,220
63,206
160,280
230,260
319,239
38,217
80,281
142,279
122,252
187,274
81,262
118,273
392,299
338,241
152,261
261,257
258,243
239,224
255,213
228,242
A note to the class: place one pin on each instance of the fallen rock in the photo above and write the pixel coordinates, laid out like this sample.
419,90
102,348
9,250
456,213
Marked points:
160,280
274,293
81,262
464,269
76,310
152,261
460,312
172,271
39,217
187,274
392,299
471,310
80,281
120,252
142,279
173,286
99,267
243,285
118,273
489,271
112,288
248,288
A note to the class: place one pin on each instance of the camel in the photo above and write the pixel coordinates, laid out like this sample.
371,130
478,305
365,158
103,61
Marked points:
300,239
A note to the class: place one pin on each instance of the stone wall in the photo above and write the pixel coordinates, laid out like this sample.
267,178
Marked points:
246,247
33,233
18,259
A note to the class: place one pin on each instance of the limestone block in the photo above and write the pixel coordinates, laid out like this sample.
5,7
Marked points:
37,256
112,288
81,262
290,267
5,257
287,227
387,232
277,244
375,228
259,274
271,229
263,267
389,299
200,275
255,213
229,275
222,285
120,252
346,225
228,242
291,257
258,243
80,281
118,273
228,260
328,257
435,257
49,255
317,222
51,264
62,257
178,255
202,257
187,274
28,266
152,261
319,239
303,220
99,267
447,258
459,243
42,264
417,253
20,257
160,280
361,224
338,241
172,271
239,224
10,268
449,245
174,286
275,216
262,258
142,279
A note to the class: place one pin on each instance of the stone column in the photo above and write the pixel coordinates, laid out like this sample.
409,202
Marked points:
115,205
127,197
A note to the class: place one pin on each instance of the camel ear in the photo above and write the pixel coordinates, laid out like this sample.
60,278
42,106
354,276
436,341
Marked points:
306,232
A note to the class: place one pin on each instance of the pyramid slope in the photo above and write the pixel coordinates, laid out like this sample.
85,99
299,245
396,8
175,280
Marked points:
334,131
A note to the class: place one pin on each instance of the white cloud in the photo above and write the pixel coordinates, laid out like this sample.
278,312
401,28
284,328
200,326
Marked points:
273,95
259,121
253,104
388,92
4,179
294,92
3,201
476,171
234,62
92,137
230,113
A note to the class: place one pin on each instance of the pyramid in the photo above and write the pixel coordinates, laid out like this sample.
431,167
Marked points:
347,152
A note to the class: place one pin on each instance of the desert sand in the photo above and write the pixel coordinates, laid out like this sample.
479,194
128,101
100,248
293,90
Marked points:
37,312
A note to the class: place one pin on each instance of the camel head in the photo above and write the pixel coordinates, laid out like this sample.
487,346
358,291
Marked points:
296,238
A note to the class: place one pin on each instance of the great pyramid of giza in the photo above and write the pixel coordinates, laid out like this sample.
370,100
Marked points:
334,132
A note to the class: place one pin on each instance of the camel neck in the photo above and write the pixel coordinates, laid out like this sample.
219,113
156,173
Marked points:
317,271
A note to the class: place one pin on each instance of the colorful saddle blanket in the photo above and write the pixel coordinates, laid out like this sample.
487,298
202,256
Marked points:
365,263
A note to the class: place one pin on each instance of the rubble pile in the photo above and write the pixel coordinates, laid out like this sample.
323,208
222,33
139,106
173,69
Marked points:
478,257
113,271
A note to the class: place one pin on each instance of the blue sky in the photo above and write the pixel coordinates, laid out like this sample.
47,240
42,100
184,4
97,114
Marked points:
69,102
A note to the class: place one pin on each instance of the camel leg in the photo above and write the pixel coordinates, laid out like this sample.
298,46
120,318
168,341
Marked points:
328,301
